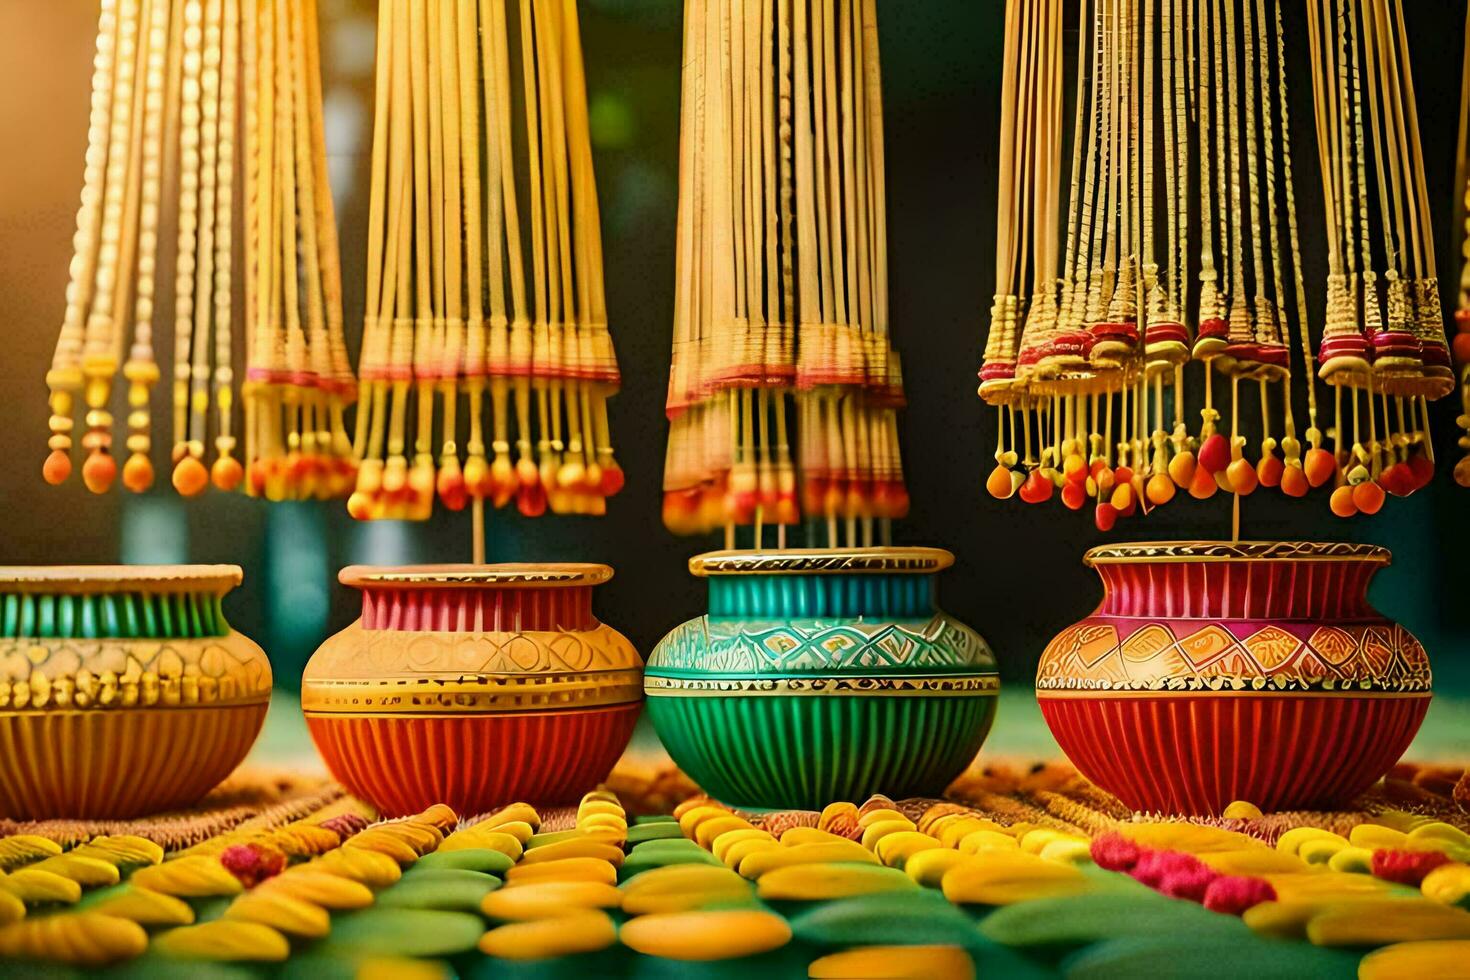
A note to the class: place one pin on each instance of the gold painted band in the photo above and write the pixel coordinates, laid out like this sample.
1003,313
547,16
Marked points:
1064,695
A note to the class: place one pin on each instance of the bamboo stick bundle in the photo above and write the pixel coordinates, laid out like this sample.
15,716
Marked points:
450,235
781,304
190,81
1383,348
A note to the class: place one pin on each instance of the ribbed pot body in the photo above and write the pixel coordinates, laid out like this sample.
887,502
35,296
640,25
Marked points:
474,686
1252,671
123,689
818,676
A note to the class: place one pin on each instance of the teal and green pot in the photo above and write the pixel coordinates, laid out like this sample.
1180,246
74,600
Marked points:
821,675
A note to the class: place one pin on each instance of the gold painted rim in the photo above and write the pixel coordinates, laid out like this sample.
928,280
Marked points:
820,561
984,685
1160,552
1095,695
93,579
551,575
465,694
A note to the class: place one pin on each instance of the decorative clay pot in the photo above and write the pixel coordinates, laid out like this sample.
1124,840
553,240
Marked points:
1251,671
473,685
123,691
822,675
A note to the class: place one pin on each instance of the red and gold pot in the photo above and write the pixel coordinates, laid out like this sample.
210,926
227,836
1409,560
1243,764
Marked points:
1249,671
473,685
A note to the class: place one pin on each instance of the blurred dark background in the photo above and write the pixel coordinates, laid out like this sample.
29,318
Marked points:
1018,577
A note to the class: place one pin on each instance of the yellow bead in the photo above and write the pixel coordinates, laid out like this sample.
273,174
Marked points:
987,840
543,899
1256,861
320,888
1003,878
189,877
704,936
740,850
475,839
1372,837
825,882
224,940
1357,860
365,867
895,963
565,869
683,887
1319,851
896,849
1192,838
876,830
1294,839
41,887
567,935
760,862
281,912
1431,958
582,847
1393,921
1242,810
145,907
929,867
722,844
810,835
709,831
75,939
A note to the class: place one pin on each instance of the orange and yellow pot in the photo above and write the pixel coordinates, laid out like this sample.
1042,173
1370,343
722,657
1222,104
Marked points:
123,690
1217,672
473,685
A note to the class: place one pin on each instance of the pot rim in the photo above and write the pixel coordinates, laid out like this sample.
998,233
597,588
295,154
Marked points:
448,576
1161,552
92,579
820,561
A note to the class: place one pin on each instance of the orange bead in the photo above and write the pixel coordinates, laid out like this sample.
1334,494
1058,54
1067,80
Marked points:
1270,470
526,473
451,487
1319,466
531,501
1294,481
1037,488
1105,516
1202,485
1181,468
137,474
1074,468
999,484
1074,495
1341,502
359,506
1368,497
1242,476
1122,498
226,473
476,475
613,480
1123,474
1160,489
190,477
99,471
57,467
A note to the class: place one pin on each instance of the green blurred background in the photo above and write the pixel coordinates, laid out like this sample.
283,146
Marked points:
1018,578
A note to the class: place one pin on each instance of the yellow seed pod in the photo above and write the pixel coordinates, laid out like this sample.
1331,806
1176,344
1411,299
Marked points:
592,807
300,840
1192,838
895,963
987,840
400,968
600,793
1034,841
357,864
379,842
544,899
475,839
1340,885
705,936
540,939
320,888
564,869
929,867
740,850
12,909
684,806
881,815
722,844
838,815
75,939
793,836
282,912
515,813
224,940
1242,810
124,850
694,817
1372,837
145,907
826,882
189,877
580,847
955,831
41,887
421,837
25,848
1357,860
879,829
603,821
89,872
1392,921
682,887
708,830
1068,850
1319,851
1006,877
1292,841
895,849
756,864
1448,884
1287,920
1430,958
1257,861
1438,832
439,816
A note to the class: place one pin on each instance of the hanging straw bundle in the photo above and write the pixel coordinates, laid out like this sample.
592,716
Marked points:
167,86
781,309
446,239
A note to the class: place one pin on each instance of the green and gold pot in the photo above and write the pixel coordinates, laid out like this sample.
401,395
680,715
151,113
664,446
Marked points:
123,690
821,675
